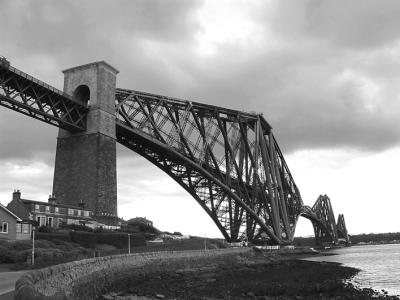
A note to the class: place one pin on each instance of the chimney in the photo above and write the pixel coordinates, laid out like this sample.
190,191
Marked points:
52,199
81,204
16,195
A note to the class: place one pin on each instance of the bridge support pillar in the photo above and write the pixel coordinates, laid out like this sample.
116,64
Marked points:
85,167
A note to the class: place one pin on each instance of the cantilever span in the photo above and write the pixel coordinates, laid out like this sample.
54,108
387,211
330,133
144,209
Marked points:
228,160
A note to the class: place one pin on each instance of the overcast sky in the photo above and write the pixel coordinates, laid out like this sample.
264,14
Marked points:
325,74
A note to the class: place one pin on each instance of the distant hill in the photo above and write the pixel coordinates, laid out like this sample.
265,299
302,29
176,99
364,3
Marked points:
370,238
376,238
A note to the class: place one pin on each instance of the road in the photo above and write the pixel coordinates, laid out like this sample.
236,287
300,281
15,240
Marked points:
7,281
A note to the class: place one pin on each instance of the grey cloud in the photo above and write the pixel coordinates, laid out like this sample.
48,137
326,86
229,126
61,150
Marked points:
298,93
89,28
366,24
355,24
152,44
24,138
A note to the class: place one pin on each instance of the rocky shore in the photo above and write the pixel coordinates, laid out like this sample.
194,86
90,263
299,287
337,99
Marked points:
261,276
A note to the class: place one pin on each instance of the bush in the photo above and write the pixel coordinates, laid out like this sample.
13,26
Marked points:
46,229
64,245
85,239
49,257
19,245
53,236
120,240
77,227
138,240
21,256
6,255
44,244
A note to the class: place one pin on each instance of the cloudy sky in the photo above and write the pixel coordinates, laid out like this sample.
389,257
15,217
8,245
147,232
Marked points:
325,74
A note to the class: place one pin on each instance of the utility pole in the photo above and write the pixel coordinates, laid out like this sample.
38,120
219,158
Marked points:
33,246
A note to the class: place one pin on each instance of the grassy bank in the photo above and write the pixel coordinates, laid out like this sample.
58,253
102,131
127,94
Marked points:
57,251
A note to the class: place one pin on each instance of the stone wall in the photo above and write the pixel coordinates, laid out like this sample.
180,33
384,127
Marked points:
90,278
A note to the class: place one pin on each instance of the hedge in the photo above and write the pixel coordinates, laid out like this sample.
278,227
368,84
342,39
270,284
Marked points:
120,240
90,239
53,236
85,239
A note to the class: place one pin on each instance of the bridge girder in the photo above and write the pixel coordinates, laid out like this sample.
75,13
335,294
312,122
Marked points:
241,180
27,95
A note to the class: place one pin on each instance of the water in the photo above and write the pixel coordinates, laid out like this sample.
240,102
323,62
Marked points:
379,265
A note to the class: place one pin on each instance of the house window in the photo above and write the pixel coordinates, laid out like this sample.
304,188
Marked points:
25,228
19,228
36,206
70,211
86,213
47,208
3,227
41,220
49,222
60,222
56,210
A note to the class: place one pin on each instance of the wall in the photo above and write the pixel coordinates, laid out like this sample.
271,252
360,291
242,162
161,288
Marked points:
90,278
12,225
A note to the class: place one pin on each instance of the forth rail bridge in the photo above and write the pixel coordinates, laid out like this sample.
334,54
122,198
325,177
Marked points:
228,160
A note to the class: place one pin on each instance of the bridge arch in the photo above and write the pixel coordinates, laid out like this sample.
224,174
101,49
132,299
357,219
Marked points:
184,172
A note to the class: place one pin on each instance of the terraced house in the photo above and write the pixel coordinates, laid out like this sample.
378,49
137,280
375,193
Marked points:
51,213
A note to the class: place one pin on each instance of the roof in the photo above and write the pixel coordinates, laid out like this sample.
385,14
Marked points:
9,212
26,201
97,63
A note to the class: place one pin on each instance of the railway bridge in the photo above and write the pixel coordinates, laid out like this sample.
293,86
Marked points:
229,161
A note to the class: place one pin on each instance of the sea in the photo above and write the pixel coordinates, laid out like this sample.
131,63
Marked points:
379,265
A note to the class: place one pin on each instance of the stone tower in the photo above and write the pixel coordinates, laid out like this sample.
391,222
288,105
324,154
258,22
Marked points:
85,167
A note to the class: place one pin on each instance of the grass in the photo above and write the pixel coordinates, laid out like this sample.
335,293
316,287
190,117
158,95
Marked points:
48,253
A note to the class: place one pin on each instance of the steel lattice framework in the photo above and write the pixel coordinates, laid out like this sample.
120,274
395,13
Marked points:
341,228
27,95
323,220
228,160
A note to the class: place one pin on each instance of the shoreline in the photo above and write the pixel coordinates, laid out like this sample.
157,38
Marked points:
263,275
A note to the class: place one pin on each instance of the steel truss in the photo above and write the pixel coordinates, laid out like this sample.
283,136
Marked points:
323,220
27,95
229,161
341,228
